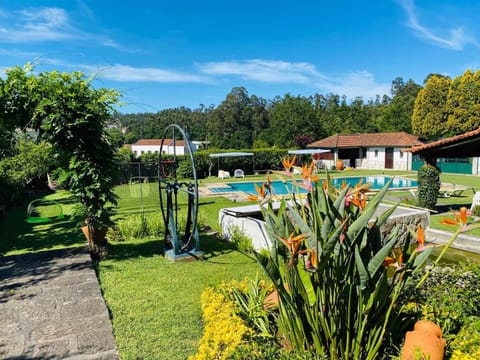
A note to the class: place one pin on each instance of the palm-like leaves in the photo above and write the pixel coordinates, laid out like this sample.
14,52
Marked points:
334,289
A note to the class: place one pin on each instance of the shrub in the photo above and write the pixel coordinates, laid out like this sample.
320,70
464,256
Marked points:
466,344
450,297
241,241
224,330
329,266
114,234
140,226
428,186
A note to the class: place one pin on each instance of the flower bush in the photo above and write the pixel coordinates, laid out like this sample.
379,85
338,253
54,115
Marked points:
338,282
224,330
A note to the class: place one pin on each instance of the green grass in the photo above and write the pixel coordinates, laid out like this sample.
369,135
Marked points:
155,303
19,237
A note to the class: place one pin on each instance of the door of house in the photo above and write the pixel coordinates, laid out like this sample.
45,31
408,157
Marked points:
388,158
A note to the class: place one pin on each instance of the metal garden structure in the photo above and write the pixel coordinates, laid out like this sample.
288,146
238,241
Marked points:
178,199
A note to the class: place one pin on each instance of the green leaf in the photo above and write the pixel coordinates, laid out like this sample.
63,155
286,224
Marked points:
362,271
270,268
305,277
334,214
368,212
376,262
421,258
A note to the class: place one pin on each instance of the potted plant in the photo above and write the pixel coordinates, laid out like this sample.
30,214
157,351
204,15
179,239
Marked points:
90,182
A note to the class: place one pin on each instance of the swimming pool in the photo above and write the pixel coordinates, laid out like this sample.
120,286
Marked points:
286,188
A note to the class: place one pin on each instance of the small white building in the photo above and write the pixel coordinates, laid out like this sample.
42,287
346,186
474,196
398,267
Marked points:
371,150
152,146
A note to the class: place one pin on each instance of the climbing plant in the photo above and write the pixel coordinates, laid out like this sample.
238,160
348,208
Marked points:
71,114
428,186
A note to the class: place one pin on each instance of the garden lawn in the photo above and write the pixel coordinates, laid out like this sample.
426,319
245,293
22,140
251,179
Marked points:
19,237
155,303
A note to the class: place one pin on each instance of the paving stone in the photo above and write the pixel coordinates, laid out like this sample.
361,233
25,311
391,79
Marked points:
51,307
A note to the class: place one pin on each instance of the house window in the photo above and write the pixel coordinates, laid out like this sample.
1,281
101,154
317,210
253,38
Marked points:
376,153
401,155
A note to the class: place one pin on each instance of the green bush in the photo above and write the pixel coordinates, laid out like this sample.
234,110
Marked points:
428,186
466,344
242,242
450,296
140,226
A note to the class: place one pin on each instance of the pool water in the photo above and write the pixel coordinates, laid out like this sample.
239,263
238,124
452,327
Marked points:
288,187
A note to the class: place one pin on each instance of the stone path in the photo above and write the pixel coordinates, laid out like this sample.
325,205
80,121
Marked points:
51,307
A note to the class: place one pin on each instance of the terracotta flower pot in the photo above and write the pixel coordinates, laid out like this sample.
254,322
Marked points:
425,340
94,235
339,164
97,241
428,326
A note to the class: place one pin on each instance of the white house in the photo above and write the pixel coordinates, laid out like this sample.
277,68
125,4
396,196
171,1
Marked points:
145,146
371,150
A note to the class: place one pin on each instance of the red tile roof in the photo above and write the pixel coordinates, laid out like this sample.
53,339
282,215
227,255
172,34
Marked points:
451,140
400,139
158,142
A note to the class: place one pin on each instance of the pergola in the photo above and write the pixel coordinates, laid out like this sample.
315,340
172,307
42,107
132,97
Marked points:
230,154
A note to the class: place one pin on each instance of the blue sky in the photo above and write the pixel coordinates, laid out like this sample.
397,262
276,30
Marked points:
163,54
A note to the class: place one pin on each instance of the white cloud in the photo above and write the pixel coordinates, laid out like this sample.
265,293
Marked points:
45,24
41,24
263,70
125,73
360,83
455,39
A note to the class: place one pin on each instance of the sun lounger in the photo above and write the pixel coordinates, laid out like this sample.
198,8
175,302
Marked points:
446,193
297,170
222,174
443,193
238,173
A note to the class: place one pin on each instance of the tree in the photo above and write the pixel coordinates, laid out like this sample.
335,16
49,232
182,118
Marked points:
292,117
463,104
17,105
231,124
430,112
397,116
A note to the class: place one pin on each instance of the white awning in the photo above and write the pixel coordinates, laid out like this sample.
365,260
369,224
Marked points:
308,151
231,154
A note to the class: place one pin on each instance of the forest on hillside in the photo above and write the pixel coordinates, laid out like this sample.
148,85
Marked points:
244,121
440,107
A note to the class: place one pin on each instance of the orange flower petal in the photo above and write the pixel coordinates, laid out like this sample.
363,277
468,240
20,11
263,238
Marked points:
448,221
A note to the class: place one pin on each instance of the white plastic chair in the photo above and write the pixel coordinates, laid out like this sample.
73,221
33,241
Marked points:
238,173
222,174
475,200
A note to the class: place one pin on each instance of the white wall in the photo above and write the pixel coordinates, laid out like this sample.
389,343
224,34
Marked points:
374,162
248,226
138,150
401,161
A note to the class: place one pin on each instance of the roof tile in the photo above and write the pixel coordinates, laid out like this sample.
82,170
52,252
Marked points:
401,139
